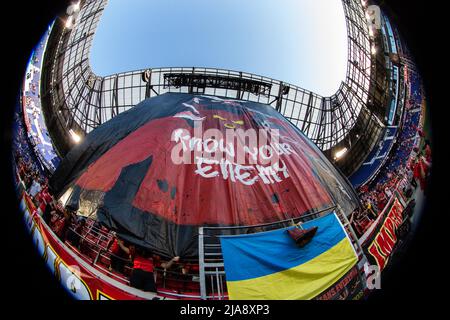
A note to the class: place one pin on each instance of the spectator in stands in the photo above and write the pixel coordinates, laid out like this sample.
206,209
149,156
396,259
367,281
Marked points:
183,277
142,276
420,171
49,212
57,223
421,133
63,224
34,190
415,152
369,209
427,151
45,196
193,270
74,234
28,181
353,222
388,192
118,256
411,177
190,274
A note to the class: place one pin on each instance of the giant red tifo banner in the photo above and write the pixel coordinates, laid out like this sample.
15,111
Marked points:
82,280
383,243
177,162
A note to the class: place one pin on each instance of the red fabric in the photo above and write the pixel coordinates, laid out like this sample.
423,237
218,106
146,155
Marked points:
22,171
199,200
421,133
59,227
365,223
417,173
420,169
38,197
358,228
115,249
428,154
145,264
42,206
47,197
193,268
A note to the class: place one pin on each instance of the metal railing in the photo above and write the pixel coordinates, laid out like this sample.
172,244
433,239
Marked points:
212,269
162,276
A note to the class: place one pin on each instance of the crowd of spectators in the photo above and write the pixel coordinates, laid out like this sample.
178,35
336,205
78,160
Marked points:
32,175
135,264
407,167
32,112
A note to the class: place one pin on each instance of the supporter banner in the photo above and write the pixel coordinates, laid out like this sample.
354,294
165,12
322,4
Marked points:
74,274
349,287
270,265
383,243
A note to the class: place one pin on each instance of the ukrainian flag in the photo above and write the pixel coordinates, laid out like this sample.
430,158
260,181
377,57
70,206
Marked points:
270,265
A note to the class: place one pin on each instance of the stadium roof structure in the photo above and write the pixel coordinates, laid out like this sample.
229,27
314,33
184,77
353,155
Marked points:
75,100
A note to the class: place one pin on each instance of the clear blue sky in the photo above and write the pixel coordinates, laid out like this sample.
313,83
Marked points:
302,42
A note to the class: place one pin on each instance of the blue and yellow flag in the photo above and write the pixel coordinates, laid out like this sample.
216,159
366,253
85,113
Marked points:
270,265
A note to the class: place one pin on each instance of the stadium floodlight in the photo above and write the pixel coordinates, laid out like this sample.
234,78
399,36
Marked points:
73,8
340,154
69,22
75,137
76,7
374,50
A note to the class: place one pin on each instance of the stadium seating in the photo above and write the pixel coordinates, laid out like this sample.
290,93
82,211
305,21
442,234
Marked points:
32,113
375,159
